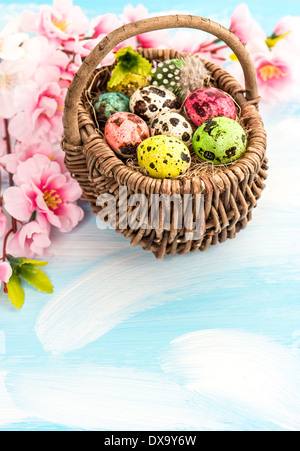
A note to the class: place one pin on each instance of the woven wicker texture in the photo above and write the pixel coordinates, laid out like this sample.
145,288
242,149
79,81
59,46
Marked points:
230,194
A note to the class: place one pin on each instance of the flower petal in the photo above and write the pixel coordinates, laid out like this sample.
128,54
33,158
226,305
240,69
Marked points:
5,272
17,204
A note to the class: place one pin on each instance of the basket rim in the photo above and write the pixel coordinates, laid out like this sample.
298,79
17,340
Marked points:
121,34
111,165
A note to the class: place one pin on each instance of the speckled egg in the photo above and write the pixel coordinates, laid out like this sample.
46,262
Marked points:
172,124
124,132
108,104
207,103
220,140
147,102
167,74
163,156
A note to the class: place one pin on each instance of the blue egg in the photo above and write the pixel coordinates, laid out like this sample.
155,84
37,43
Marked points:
110,103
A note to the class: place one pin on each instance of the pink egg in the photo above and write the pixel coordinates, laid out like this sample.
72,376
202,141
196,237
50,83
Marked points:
207,103
124,132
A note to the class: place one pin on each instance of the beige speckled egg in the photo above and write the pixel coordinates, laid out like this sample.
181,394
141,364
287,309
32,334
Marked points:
147,102
163,156
124,132
172,124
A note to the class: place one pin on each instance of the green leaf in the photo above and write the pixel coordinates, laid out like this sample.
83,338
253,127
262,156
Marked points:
33,262
144,68
17,262
14,262
272,40
117,76
129,61
15,291
36,277
33,216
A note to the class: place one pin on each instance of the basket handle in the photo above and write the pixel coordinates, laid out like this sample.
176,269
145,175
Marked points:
70,117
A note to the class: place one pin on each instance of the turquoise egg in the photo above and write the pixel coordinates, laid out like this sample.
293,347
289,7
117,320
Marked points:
108,104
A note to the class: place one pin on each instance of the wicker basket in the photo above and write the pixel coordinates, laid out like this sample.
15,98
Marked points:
229,194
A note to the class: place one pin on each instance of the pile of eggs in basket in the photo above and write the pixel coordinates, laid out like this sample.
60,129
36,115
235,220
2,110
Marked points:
162,130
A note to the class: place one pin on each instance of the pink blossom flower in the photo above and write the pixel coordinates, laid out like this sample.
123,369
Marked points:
39,53
41,147
132,14
24,151
58,23
5,272
244,26
287,49
286,36
40,102
32,239
152,39
188,42
10,76
257,46
3,223
288,24
82,47
10,45
103,25
274,76
43,188
185,41
9,162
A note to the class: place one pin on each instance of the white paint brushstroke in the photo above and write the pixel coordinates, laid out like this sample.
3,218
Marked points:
86,241
241,368
99,398
211,380
101,299
9,413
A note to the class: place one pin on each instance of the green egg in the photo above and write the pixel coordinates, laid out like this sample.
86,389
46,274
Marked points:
220,140
163,156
